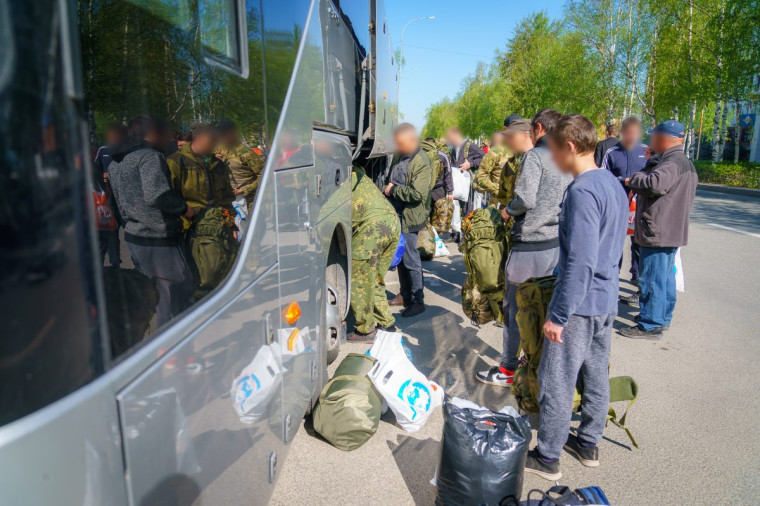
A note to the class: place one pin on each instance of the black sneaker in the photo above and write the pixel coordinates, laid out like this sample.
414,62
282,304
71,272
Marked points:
631,300
589,457
497,376
535,465
413,310
359,337
392,328
636,332
661,329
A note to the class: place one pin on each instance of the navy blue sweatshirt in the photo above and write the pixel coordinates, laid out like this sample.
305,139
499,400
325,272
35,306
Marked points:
624,163
592,227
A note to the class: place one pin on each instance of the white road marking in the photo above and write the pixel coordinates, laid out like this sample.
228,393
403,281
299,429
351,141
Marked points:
734,230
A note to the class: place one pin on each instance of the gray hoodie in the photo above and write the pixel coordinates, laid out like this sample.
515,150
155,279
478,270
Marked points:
148,204
536,201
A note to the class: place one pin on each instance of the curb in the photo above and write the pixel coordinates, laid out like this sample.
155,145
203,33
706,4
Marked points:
731,190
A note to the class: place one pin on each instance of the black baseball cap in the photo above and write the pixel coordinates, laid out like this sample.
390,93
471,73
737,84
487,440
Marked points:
512,117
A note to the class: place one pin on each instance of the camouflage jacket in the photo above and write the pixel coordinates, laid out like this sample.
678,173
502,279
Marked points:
245,166
367,202
202,181
507,180
489,174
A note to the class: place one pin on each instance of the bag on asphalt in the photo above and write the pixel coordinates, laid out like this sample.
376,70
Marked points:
399,254
533,297
440,249
409,394
131,299
484,248
348,411
678,267
213,248
456,218
561,495
482,455
426,243
461,179
443,211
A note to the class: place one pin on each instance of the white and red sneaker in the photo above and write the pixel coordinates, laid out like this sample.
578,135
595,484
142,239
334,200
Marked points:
497,376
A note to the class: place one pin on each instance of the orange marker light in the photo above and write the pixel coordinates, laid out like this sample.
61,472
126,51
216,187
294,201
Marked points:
292,313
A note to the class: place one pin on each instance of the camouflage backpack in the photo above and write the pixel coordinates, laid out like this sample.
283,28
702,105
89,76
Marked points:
213,248
426,243
483,248
533,297
475,304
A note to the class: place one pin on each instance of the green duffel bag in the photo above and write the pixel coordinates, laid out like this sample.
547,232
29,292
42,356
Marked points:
348,411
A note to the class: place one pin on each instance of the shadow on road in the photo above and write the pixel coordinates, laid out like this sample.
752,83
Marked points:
417,460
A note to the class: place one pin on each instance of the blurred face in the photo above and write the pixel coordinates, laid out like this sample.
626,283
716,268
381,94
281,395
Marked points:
563,155
453,137
631,135
497,140
407,142
230,138
113,137
204,143
518,142
657,143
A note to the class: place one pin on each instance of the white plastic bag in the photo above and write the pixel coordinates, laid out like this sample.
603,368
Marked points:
456,218
409,394
256,384
440,249
461,180
678,268
386,345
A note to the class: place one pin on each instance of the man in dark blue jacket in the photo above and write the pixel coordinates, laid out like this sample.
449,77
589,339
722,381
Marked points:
623,160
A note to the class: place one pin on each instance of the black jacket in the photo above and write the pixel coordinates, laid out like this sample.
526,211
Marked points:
444,185
601,149
470,151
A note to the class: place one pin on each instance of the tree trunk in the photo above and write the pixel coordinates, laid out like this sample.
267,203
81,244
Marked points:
690,144
723,131
737,133
719,106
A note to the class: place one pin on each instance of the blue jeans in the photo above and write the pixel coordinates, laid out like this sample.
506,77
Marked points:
657,283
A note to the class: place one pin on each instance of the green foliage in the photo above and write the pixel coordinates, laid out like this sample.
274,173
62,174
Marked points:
608,59
744,174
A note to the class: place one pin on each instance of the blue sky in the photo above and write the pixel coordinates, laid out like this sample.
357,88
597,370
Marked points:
439,53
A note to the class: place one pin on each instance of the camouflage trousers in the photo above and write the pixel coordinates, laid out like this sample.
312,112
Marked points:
372,249
443,211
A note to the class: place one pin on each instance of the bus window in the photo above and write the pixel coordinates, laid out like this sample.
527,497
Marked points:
181,143
51,341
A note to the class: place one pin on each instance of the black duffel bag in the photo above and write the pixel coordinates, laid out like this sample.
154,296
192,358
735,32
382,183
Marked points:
482,456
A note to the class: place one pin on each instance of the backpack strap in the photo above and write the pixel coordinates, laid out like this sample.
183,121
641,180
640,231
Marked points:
623,388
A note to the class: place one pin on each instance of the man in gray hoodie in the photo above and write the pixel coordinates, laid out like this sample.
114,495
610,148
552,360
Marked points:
151,209
534,243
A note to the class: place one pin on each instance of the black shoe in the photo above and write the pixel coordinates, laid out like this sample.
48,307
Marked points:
413,310
589,457
631,300
359,337
661,329
534,465
392,328
638,333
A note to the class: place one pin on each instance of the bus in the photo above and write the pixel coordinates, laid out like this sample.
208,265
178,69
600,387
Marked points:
118,384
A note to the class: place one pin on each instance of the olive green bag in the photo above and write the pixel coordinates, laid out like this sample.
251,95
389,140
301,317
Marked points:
484,250
533,297
348,411
212,247
426,242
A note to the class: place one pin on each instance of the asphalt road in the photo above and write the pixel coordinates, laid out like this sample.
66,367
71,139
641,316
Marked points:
695,421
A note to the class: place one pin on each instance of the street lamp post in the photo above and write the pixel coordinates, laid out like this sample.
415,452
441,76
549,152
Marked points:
401,50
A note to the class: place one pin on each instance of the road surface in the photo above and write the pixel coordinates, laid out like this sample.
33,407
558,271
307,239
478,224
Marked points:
695,421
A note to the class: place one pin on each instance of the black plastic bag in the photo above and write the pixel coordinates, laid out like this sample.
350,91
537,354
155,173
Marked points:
482,456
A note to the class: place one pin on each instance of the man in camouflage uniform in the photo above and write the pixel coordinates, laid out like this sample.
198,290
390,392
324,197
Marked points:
376,231
245,163
488,177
